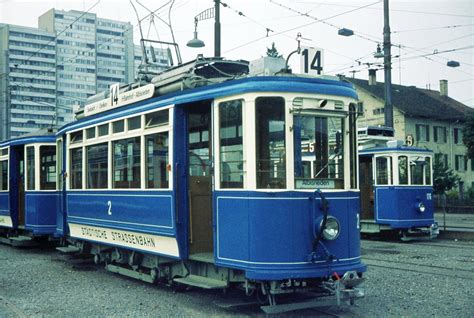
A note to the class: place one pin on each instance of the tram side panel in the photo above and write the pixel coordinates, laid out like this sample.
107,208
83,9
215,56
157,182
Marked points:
40,212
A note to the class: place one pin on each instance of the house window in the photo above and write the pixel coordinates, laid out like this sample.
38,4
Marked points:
441,158
440,134
379,111
360,109
460,163
457,135
422,133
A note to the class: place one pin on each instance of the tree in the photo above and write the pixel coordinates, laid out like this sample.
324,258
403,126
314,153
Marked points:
273,52
444,178
468,135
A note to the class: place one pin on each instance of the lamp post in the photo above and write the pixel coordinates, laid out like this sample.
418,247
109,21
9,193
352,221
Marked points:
204,15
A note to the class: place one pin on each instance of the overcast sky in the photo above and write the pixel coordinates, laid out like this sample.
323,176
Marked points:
420,27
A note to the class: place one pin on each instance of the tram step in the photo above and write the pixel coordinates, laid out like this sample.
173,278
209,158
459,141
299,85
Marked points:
68,249
22,241
130,273
202,282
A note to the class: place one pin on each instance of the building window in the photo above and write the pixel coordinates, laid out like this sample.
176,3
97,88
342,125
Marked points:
270,142
231,147
157,160
441,159
126,163
460,163
97,161
457,135
47,168
440,134
379,111
422,133
360,109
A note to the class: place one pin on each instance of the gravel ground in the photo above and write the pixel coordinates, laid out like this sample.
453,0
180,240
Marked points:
410,279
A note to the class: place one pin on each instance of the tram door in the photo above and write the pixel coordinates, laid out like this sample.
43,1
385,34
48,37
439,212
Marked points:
19,166
366,180
200,179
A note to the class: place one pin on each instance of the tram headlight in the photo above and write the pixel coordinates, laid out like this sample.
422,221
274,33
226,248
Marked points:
332,228
421,207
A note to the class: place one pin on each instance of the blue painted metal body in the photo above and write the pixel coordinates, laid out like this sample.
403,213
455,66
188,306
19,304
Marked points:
396,206
269,235
40,207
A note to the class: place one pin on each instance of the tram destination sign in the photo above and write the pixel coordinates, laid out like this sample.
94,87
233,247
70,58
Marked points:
117,99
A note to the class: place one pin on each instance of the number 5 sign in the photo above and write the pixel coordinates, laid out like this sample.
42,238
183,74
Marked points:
311,61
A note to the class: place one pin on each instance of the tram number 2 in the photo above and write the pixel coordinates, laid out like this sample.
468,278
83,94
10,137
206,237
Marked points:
109,204
311,61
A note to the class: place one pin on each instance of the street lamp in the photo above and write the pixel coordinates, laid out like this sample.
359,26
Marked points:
204,15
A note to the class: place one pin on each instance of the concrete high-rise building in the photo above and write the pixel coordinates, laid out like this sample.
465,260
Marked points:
27,80
92,53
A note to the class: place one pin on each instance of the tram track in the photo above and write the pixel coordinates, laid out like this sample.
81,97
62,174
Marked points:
420,268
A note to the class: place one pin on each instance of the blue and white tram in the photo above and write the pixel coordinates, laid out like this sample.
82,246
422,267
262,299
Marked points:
28,195
208,187
396,185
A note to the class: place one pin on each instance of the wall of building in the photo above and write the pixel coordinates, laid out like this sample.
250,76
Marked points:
28,58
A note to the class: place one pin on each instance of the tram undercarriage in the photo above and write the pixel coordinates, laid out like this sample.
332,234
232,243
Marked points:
200,271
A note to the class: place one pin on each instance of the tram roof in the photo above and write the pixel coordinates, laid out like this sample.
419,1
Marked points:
399,149
43,135
279,84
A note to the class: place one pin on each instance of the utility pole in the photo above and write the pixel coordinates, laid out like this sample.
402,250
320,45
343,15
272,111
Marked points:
387,61
217,28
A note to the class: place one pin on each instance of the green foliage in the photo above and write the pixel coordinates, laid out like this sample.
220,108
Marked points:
444,178
452,195
468,135
470,193
273,52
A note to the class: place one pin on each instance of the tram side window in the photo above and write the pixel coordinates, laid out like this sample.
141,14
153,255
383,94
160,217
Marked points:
270,142
47,167
30,168
4,175
96,163
157,160
427,170
76,168
231,148
381,167
416,171
158,118
403,170
126,163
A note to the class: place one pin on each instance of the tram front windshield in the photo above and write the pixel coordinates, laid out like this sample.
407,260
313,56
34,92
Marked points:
319,158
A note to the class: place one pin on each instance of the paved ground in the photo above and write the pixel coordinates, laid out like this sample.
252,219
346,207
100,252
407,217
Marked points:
417,279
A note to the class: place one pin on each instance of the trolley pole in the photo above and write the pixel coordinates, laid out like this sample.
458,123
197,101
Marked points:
217,28
387,61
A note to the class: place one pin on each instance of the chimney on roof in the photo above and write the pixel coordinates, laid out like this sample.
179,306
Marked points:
443,87
372,77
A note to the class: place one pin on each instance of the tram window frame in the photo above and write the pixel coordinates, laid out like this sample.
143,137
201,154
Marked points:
427,170
118,126
4,152
134,123
47,161
407,172
101,132
414,160
101,181
121,178
76,137
150,117
75,179
4,174
388,173
231,136
163,171
90,133
59,164
30,168
268,110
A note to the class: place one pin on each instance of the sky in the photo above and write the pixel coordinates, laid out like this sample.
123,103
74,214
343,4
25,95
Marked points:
425,34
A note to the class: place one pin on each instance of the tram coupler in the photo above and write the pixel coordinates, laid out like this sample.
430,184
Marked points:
345,288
